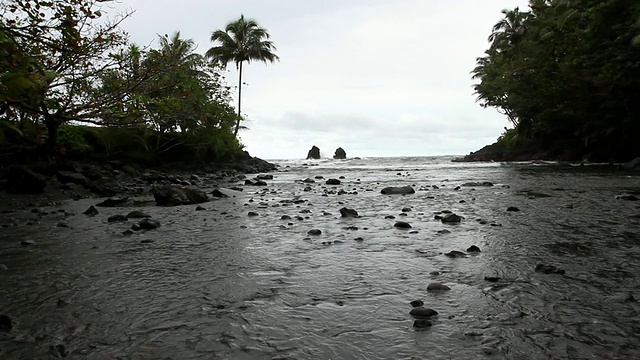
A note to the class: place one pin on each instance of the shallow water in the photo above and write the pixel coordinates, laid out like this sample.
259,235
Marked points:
219,284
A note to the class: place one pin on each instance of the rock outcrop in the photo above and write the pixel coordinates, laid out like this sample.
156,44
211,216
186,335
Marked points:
340,154
314,153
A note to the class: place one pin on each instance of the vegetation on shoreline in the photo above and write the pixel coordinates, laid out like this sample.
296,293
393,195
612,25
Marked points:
72,85
567,76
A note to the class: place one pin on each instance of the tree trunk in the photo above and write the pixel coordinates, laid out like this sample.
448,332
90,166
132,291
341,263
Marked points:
235,133
52,124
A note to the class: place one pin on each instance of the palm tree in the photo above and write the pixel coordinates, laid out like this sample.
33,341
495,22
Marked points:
241,40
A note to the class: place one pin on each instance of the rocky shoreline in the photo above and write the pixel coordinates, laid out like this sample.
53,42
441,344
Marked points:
23,186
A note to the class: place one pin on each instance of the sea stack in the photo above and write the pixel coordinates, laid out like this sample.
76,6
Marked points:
340,154
314,153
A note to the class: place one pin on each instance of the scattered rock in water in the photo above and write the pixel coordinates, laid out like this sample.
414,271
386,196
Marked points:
136,227
340,154
6,324
444,231
117,218
137,214
390,217
333,182
437,287
200,208
359,239
347,212
308,181
406,209
91,211
148,224
451,219
422,312
548,269
219,194
492,278
265,177
146,241
397,190
416,303
4,267
626,197
128,232
62,224
314,232
174,195
285,217
473,249
252,213
114,202
477,184
513,208
422,324
402,225
455,254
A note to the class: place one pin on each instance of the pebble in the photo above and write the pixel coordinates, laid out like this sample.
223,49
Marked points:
416,303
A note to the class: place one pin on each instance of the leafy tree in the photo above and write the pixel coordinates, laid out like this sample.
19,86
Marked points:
241,40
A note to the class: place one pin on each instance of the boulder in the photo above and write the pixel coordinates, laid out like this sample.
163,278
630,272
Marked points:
174,195
340,154
21,179
422,312
148,224
314,153
348,212
66,177
397,190
333,182
633,164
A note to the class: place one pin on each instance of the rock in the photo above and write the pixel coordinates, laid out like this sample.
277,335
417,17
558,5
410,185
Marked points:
148,224
137,214
398,190
513,208
219,194
314,232
548,269
285,217
491,278
4,267
359,239
308,181
21,179
62,224
117,218
347,212
27,242
473,248
114,202
422,324
626,197
451,219
437,287
477,184
6,324
406,209
72,177
422,312
402,225
416,303
314,153
91,211
631,165
174,195
340,154
265,177
455,254
442,232
200,208
252,213
333,182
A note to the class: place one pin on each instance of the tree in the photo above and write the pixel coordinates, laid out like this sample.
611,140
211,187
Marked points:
240,41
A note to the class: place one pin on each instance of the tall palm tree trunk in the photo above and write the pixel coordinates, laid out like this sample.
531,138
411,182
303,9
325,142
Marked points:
235,133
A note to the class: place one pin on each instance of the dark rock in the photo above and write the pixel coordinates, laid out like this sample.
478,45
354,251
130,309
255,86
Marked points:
117,218
347,212
402,225
314,153
27,242
492,278
359,239
265,177
473,248
173,195
91,211
21,179
308,181
72,177
422,324
398,190
390,217
333,182
4,267
631,165
477,184
114,202
252,213
314,232
6,324
626,197
548,269
442,232
219,194
422,312
513,208
340,154
406,209
285,217
62,224
451,219
416,303
437,287
200,208
148,224
455,254
58,351
136,227
137,214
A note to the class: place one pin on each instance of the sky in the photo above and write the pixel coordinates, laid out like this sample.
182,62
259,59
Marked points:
375,77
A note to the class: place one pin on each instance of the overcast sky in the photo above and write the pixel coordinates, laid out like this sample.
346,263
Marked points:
375,77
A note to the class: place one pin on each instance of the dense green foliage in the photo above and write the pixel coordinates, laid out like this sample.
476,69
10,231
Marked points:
62,64
241,40
567,76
